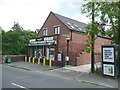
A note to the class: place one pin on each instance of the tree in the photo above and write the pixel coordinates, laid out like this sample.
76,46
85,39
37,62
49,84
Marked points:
14,41
91,31
1,30
103,14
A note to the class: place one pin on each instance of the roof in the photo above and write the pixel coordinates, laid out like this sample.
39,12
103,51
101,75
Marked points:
71,23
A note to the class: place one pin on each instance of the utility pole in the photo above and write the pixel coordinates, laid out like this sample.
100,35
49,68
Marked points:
92,40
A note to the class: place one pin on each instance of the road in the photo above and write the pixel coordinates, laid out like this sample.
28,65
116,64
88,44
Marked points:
19,78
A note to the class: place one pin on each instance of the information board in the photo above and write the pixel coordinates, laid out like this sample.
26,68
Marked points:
59,56
108,69
108,54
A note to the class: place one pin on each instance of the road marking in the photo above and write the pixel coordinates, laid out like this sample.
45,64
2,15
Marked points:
19,86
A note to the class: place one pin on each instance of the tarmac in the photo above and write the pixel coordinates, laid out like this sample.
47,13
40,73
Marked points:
81,73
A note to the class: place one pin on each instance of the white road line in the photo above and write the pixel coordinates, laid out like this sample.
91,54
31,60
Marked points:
18,85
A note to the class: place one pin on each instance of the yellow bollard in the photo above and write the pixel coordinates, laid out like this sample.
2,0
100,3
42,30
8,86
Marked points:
25,59
50,63
29,59
44,61
38,60
33,60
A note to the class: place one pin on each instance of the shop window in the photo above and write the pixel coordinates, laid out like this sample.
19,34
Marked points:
57,30
45,32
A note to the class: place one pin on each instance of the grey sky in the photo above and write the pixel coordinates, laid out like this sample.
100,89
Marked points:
31,14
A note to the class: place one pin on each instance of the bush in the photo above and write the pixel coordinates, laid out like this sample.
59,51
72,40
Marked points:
98,70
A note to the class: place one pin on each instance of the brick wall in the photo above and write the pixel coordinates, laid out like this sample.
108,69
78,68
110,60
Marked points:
84,58
101,41
50,23
76,45
15,58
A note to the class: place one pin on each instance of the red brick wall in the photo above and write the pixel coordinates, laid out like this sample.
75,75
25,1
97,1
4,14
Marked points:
101,41
79,38
76,46
50,22
85,58
16,58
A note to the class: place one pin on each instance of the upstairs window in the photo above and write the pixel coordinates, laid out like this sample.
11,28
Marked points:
45,32
57,30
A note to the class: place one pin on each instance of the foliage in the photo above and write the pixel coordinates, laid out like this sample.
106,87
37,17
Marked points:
0,40
98,70
87,49
14,41
102,14
105,14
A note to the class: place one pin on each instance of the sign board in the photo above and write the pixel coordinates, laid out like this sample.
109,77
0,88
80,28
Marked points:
59,56
108,69
52,57
48,38
108,54
110,60
67,58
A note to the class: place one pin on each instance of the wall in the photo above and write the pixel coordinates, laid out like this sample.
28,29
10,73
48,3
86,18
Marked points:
101,41
85,58
15,58
50,22
76,45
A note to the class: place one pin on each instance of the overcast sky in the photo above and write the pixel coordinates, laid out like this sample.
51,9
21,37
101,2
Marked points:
31,14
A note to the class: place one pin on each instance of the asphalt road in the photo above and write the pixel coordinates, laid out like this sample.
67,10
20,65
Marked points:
19,78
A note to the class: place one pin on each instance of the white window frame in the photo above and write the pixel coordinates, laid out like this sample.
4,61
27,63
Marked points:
45,32
57,30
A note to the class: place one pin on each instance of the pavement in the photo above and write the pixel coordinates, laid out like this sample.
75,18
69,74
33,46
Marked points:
80,73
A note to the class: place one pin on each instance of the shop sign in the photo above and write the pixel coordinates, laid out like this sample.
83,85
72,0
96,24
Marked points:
48,38
32,40
39,39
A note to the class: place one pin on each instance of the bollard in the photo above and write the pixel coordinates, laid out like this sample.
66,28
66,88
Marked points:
44,61
50,63
33,60
29,59
38,60
25,59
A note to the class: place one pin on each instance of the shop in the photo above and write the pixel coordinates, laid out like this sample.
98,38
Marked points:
43,47
61,40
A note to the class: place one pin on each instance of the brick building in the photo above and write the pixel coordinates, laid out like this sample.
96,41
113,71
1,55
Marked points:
60,34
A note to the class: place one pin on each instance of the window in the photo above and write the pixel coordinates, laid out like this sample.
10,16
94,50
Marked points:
57,30
45,32
70,25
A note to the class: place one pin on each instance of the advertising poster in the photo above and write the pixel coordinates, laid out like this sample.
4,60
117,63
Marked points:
67,58
108,69
108,54
59,57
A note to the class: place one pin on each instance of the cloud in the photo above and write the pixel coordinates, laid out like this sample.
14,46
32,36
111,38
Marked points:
31,14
